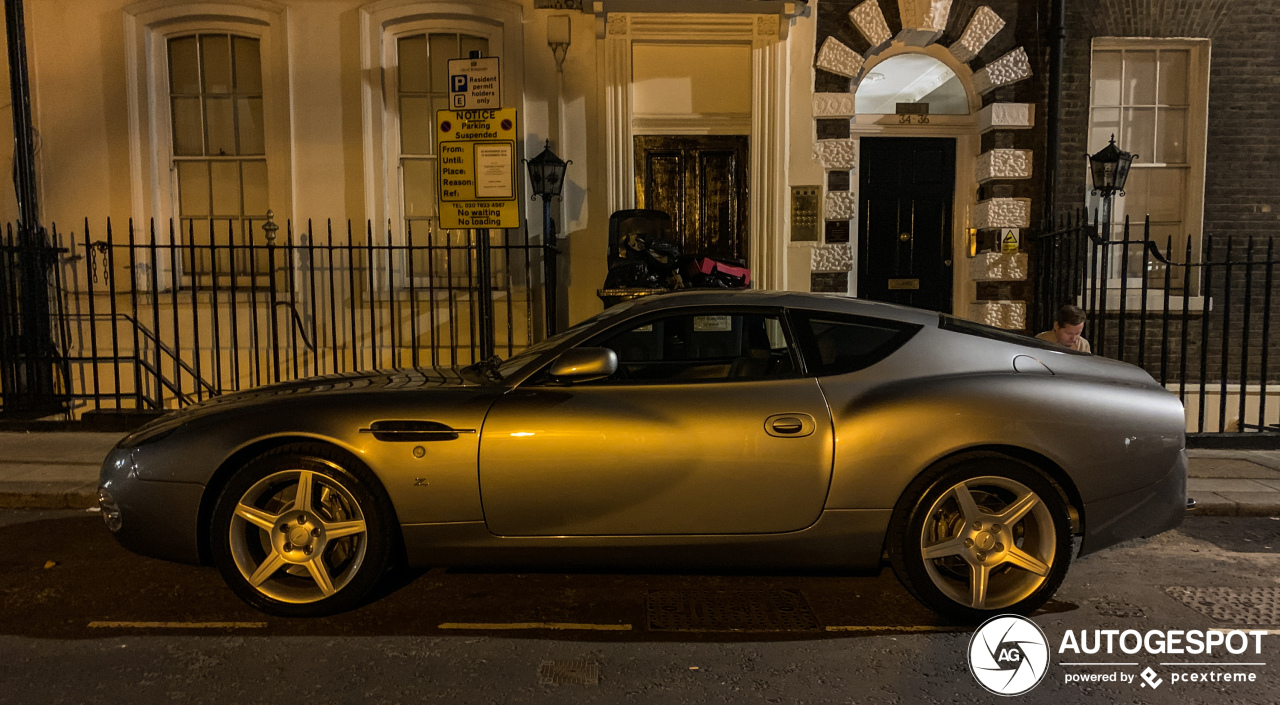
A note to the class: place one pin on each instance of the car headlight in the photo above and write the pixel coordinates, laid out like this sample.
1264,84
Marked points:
110,510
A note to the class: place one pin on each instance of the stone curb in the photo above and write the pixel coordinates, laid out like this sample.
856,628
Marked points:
48,495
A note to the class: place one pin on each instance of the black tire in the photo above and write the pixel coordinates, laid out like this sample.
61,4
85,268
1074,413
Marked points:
348,530
928,517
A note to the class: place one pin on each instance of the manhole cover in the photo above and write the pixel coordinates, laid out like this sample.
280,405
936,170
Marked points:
569,673
729,611
1243,606
1117,608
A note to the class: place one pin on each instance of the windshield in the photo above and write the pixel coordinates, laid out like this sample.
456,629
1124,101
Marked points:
532,352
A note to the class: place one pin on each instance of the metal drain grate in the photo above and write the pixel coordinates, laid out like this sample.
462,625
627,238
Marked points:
569,673
1242,606
729,611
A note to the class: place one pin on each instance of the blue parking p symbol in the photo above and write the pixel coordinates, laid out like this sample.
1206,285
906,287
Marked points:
458,84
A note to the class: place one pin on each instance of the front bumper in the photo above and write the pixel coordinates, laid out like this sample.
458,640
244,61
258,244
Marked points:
156,518
1151,510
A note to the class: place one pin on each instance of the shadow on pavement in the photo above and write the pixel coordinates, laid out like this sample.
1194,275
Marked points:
93,579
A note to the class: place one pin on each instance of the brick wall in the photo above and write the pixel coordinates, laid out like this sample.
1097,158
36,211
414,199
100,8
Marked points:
1242,169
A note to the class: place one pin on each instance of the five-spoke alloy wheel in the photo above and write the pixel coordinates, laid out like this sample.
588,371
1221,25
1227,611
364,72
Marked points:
981,536
302,531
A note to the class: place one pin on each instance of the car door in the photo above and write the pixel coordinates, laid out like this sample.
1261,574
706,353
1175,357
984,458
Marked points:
708,427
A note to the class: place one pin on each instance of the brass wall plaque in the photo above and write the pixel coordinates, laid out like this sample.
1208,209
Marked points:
903,284
804,213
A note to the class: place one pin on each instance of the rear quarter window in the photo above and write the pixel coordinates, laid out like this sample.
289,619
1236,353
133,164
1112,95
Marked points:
835,343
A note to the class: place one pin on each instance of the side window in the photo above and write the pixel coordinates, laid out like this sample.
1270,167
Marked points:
701,347
839,344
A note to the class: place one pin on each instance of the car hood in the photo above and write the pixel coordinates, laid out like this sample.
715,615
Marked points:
408,379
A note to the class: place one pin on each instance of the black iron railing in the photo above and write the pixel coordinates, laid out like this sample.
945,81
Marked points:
1196,315
152,318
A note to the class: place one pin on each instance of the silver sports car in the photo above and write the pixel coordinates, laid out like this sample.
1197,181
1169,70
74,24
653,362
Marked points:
758,430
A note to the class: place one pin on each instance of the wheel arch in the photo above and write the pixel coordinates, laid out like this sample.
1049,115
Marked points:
241,456
1052,471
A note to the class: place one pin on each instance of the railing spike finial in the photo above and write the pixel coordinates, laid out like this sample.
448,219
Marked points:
270,226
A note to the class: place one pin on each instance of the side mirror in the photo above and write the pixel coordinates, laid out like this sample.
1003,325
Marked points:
584,365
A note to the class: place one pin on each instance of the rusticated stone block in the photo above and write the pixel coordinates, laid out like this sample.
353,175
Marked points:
998,266
1011,315
1003,164
923,21
1008,69
831,258
833,105
1002,213
839,205
1006,116
837,58
835,154
869,19
984,25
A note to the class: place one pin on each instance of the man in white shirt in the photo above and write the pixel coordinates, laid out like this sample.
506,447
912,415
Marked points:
1067,327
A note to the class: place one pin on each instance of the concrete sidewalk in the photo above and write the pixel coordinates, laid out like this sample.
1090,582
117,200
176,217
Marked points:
60,470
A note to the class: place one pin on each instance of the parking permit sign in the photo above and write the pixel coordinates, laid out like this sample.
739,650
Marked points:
474,83
477,168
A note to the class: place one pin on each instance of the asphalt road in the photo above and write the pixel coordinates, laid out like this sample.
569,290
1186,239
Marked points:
83,621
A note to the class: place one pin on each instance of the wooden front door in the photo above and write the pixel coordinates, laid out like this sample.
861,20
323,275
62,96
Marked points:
906,188
701,182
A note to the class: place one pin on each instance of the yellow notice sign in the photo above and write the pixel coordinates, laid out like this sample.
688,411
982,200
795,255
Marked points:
476,155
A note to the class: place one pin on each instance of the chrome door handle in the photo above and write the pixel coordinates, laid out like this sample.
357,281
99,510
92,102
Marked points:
788,424
795,425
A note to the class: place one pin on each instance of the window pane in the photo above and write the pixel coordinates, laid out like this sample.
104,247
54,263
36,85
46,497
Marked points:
1138,135
193,188
188,139
471,43
443,48
1173,136
1106,78
1164,199
419,187
1106,122
700,348
248,66
255,187
1173,77
220,126
225,177
215,52
848,345
413,69
249,124
184,68
416,125
1140,78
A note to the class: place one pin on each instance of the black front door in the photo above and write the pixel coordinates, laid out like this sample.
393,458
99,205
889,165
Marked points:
906,188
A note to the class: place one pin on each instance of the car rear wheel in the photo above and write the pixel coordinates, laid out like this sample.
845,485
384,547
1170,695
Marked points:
302,531
981,536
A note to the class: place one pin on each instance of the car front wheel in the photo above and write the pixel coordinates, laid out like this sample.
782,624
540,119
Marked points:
982,536
302,531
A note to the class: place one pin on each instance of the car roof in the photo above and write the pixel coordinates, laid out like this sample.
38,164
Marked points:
837,303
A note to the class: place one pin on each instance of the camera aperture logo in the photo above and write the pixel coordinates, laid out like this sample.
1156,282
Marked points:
1008,655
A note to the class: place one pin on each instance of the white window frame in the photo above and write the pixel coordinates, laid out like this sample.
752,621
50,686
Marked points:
148,28
381,26
1198,64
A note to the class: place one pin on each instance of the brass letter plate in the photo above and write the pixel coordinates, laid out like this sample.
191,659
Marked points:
902,284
